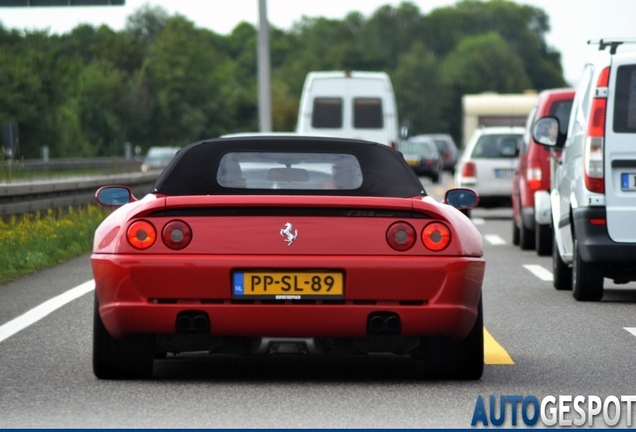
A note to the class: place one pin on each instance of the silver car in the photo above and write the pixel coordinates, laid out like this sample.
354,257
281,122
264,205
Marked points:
488,164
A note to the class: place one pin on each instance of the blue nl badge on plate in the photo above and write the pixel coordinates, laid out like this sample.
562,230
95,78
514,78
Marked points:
238,283
624,181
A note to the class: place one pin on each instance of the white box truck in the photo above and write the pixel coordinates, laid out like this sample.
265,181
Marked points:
349,104
495,109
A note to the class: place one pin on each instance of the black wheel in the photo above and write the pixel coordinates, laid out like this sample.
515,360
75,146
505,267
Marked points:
561,272
435,178
515,233
543,239
130,357
444,358
587,278
526,238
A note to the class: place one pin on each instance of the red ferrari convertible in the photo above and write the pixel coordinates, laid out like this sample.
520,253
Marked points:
287,244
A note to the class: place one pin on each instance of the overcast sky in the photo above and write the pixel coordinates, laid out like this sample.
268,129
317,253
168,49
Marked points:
573,22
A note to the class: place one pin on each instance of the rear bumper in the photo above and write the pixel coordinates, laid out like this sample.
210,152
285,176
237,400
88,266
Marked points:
594,242
436,296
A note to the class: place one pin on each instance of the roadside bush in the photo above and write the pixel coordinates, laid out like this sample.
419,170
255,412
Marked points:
32,242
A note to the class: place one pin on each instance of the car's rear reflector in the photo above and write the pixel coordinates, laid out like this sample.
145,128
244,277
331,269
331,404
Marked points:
598,221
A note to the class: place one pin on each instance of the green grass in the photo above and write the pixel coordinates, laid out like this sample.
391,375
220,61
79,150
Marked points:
36,241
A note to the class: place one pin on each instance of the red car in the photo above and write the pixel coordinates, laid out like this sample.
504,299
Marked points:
531,222
287,244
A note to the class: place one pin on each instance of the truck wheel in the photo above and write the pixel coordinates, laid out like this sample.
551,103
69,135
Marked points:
561,273
444,358
127,358
587,278
543,239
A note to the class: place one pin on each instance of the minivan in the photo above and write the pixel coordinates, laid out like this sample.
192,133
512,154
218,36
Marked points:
531,221
593,194
349,104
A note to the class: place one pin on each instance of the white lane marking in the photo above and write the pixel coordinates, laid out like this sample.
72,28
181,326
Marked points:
540,272
478,221
494,239
37,313
632,330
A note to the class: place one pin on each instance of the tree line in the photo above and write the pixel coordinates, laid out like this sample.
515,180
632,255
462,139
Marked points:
163,81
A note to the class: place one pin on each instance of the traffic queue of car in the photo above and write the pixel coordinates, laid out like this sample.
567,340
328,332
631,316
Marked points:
296,244
573,192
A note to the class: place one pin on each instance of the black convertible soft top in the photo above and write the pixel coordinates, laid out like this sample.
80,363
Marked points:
194,169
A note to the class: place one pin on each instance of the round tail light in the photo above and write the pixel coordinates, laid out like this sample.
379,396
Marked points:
176,234
436,236
141,234
401,236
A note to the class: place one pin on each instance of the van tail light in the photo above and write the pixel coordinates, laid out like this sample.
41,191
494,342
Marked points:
469,169
436,236
176,234
593,159
393,145
141,234
534,175
401,236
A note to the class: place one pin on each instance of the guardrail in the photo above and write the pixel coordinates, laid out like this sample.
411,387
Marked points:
113,164
20,198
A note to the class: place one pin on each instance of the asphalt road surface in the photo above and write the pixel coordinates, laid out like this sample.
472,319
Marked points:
543,343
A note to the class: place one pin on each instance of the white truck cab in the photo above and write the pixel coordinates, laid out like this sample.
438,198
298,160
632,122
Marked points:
593,196
349,104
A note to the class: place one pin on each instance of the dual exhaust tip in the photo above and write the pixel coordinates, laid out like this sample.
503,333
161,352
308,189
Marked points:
378,323
384,323
193,322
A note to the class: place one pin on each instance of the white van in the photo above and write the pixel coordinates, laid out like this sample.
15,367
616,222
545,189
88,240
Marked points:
593,196
349,104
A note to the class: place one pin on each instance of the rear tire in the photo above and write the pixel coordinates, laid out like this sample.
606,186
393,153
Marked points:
561,273
526,238
543,239
587,278
515,233
444,358
127,358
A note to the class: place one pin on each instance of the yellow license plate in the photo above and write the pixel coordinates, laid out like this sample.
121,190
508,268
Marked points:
288,285
412,162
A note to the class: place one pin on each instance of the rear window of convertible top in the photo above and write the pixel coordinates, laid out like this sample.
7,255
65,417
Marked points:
291,171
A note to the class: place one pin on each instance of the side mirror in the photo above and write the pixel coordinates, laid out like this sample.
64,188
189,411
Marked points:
462,198
509,148
546,131
114,196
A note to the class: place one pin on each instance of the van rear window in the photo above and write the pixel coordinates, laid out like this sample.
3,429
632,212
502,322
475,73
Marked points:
327,113
367,113
625,102
561,110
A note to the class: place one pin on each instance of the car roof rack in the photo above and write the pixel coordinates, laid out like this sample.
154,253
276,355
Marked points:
612,43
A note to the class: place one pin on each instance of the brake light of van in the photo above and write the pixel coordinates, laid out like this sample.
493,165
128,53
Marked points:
594,142
533,175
